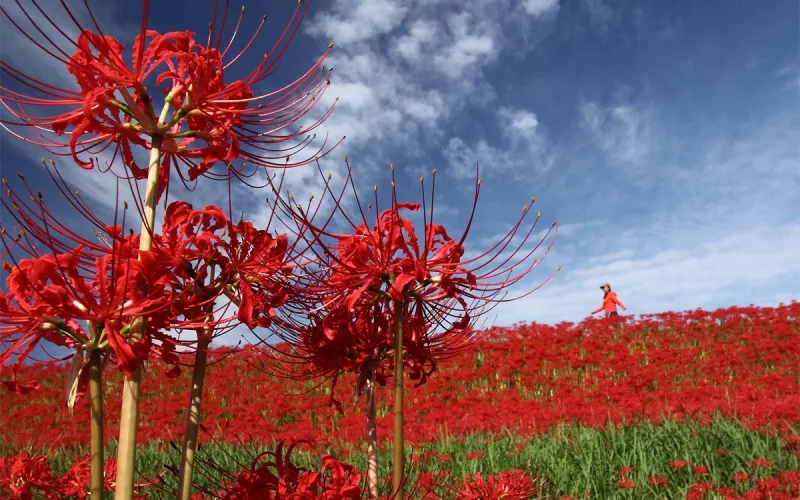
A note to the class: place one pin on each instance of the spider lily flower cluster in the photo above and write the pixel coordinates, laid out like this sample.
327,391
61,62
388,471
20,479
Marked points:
392,296
83,294
363,277
207,117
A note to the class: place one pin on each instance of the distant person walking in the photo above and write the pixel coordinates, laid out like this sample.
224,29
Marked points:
610,302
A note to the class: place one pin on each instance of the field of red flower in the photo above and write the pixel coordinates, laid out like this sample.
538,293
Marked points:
738,362
736,365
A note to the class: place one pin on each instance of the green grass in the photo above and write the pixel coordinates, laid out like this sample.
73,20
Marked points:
572,459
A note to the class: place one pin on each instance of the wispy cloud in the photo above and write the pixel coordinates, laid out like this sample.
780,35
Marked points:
622,131
601,15
410,72
523,149
540,7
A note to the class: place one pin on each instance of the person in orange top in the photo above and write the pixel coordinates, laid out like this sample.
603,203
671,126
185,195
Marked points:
610,302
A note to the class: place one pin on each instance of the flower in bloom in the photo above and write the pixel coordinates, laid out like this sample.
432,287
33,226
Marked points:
726,493
74,292
509,485
700,470
658,480
768,485
624,484
390,270
740,477
217,117
678,464
273,475
760,462
623,471
209,257
84,293
699,491
476,455
22,475
75,482
51,296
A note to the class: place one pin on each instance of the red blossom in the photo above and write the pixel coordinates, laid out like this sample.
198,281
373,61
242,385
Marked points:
360,280
22,475
598,378
273,475
740,477
679,464
625,484
760,462
75,482
657,480
699,491
510,485
624,471
50,297
700,470
217,117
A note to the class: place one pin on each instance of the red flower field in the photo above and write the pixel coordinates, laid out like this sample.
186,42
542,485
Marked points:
737,364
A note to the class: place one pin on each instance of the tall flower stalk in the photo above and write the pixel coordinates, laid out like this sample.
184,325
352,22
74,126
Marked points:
61,280
387,300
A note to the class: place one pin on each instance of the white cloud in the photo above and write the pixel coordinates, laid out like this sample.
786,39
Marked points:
468,47
421,35
523,152
359,20
540,7
405,78
520,122
623,131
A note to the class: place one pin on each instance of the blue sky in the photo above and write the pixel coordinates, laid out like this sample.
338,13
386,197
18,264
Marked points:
663,137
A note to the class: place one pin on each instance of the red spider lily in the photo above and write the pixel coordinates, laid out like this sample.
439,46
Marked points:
75,481
377,268
700,470
216,117
432,294
340,341
94,280
49,296
624,471
209,258
260,262
625,484
699,491
273,475
740,477
511,485
22,475
441,287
